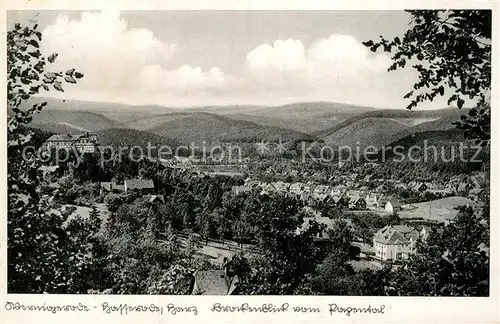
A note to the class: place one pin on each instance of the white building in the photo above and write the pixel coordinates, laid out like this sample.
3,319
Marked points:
392,206
393,243
85,143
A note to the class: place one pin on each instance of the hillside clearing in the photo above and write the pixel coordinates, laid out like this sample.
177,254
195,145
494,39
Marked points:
436,210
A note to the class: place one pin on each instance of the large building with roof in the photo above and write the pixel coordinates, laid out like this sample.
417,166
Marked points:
85,143
214,282
395,242
144,186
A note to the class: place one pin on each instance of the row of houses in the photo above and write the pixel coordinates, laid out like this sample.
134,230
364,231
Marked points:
313,194
465,185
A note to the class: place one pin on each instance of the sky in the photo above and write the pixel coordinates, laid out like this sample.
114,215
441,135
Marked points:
199,58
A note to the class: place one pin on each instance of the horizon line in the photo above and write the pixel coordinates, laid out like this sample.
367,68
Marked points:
181,108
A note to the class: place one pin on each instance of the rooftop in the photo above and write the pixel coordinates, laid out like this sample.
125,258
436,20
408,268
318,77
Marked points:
396,234
139,184
213,282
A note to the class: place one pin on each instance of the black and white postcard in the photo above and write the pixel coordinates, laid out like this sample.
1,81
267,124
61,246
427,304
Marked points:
307,164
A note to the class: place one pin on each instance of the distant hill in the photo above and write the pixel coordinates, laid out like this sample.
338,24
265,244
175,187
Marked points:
445,122
402,115
439,138
297,110
447,150
311,110
383,127
130,137
336,123
152,121
304,125
366,131
305,117
73,119
199,126
301,117
61,128
115,111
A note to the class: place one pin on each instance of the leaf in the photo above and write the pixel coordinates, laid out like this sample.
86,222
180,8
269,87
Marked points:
408,95
374,47
70,72
452,98
460,103
397,41
50,75
34,43
52,58
78,75
368,43
35,54
69,79
57,86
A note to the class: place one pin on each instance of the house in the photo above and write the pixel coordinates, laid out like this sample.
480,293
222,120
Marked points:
322,190
477,194
240,189
392,206
425,231
155,198
253,184
339,192
144,186
48,172
296,188
371,200
338,201
321,198
463,187
111,187
395,242
307,198
105,187
214,282
281,186
309,187
357,203
400,185
421,187
325,222
443,192
85,143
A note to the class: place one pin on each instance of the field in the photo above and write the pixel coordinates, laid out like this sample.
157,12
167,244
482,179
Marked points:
436,210
85,212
